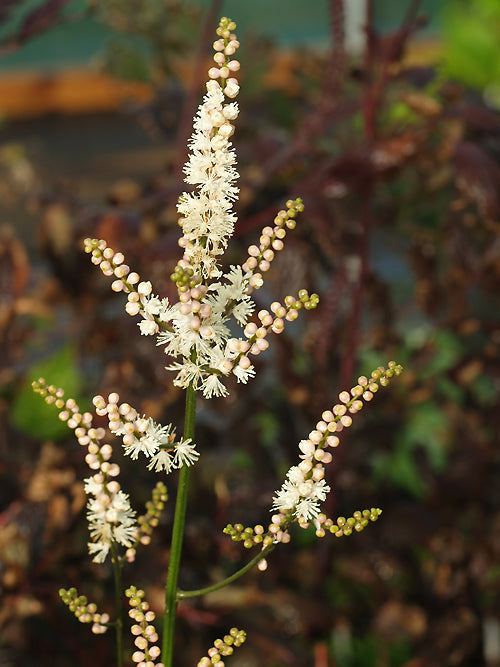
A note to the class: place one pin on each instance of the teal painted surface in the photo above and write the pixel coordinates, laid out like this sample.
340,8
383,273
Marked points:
290,22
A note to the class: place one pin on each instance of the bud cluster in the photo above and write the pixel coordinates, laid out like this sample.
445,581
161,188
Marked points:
222,648
226,66
271,241
299,497
342,526
85,612
140,300
143,629
149,521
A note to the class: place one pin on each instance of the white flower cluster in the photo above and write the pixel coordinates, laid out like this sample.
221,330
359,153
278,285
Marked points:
196,331
110,517
144,435
300,494
207,221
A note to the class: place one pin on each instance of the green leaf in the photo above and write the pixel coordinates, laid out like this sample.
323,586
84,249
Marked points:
29,412
448,350
428,427
400,469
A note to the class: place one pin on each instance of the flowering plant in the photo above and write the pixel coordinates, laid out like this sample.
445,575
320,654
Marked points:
197,333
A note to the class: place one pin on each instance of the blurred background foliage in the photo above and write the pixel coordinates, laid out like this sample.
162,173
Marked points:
384,117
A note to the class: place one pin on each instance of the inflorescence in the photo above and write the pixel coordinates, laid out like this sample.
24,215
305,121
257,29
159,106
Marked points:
305,487
198,333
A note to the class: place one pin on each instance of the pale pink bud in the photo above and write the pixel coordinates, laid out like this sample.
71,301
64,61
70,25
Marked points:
256,281
121,271
262,344
244,363
226,366
315,436
145,288
250,329
205,310
214,73
132,308
253,251
231,89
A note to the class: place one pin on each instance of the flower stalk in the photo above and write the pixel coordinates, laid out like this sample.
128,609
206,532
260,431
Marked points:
171,595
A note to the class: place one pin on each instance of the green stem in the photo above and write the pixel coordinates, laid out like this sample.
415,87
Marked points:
117,567
229,580
171,597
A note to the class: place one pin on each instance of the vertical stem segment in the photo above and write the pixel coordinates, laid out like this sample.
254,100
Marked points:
117,568
171,598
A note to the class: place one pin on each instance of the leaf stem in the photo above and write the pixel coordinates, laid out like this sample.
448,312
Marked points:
229,580
171,597
117,568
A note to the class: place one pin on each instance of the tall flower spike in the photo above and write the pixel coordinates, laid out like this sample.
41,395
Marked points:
197,330
207,221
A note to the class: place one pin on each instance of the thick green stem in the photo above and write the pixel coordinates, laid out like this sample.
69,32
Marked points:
171,597
117,567
229,580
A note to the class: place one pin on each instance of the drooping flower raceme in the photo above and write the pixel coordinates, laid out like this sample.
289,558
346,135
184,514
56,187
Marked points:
298,499
197,330
111,519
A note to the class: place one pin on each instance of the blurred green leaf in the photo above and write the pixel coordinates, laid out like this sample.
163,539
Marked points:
428,427
400,468
471,38
448,350
30,413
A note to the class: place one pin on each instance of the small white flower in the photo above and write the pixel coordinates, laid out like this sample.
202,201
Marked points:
185,453
99,550
320,489
243,374
148,327
307,509
212,386
133,450
162,460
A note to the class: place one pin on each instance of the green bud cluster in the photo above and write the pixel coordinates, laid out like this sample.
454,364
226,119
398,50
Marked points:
222,648
185,277
84,611
148,521
225,28
249,536
308,301
358,521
